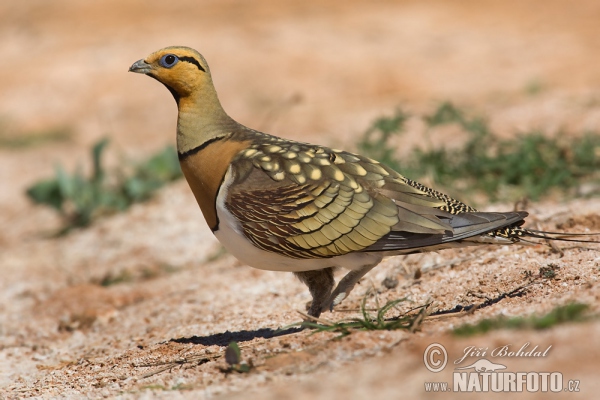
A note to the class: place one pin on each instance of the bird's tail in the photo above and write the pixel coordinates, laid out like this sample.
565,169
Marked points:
516,233
522,234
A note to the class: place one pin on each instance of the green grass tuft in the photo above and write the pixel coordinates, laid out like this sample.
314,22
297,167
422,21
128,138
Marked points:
574,312
549,271
530,165
80,199
376,322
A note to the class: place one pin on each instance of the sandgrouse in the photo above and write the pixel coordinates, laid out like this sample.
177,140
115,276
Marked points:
282,205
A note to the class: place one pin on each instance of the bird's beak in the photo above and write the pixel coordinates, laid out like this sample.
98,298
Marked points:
141,67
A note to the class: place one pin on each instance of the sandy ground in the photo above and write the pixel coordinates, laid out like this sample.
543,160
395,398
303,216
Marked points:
315,71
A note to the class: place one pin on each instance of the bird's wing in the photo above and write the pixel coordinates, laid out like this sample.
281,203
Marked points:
480,227
306,201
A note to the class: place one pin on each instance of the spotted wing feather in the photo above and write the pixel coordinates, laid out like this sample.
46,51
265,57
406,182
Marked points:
306,201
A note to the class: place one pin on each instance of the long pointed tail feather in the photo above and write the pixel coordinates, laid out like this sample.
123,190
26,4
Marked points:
559,236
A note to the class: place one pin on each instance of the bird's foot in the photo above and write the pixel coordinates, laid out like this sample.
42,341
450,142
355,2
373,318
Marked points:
335,299
344,287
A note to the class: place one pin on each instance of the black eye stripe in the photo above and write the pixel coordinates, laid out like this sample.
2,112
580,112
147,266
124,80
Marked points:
192,60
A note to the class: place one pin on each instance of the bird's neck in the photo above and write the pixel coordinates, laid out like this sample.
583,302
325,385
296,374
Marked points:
201,118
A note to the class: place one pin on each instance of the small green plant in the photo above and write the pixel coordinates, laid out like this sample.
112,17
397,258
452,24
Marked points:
136,275
80,199
529,165
549,271
151,174
233,358
370,322
534,87
573,312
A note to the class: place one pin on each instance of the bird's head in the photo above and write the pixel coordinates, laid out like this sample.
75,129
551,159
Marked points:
181,69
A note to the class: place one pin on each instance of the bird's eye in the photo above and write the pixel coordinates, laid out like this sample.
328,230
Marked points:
168,60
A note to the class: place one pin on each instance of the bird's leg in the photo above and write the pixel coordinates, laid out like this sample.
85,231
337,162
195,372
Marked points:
319,282
345,286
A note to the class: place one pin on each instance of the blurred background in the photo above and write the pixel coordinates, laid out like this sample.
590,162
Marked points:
442,74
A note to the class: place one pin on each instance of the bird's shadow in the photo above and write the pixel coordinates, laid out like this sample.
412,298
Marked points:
518,292
224,338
